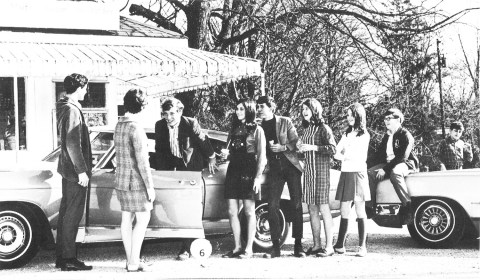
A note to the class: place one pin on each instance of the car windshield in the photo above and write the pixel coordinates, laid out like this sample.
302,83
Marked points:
101,143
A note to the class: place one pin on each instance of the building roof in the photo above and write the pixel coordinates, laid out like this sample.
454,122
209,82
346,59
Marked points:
130,27
159,65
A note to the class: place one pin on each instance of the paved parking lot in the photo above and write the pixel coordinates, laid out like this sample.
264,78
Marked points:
392,254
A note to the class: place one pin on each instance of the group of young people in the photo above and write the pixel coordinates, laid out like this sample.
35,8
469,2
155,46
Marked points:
272,146
275,143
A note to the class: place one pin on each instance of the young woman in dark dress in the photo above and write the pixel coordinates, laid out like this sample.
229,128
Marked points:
247,150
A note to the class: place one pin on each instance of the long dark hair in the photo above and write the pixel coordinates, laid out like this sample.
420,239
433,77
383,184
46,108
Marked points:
250,111
317,111
358,112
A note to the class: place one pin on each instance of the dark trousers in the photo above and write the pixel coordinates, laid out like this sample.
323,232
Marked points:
69,217
397,177
281,171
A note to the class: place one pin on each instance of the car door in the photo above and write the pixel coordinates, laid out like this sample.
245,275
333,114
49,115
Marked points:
177,212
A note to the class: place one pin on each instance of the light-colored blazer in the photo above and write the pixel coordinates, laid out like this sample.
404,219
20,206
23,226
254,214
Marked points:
287,135
133,168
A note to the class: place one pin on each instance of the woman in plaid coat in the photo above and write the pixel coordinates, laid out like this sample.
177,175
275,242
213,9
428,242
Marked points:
135,189
318,146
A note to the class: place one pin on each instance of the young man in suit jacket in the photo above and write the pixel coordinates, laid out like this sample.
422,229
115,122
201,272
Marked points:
284,166
394,158
180,144
75,166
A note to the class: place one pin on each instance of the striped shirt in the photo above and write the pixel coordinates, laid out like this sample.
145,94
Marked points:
174,147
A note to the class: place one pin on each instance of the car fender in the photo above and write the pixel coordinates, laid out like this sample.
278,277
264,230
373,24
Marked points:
458,185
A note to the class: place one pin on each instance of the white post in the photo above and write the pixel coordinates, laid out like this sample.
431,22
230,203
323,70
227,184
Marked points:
15,104
262,84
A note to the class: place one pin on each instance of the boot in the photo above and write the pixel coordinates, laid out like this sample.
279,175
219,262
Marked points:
362,238
275,251
339,247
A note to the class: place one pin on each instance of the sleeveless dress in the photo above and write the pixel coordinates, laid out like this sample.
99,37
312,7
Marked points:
241,170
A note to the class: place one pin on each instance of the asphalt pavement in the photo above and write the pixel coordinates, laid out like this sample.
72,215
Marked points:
391,254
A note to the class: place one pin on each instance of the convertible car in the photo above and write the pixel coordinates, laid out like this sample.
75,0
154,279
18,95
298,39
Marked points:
191,204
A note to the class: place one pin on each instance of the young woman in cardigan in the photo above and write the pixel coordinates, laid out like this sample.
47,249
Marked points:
353,183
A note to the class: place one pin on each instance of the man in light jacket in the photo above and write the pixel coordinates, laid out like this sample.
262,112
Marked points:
284,166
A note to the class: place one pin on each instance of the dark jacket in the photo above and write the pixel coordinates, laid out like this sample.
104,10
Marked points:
75,151
194,145
403,143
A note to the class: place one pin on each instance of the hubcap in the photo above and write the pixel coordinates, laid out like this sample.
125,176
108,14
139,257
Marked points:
435,220
263,227
7,235
12,235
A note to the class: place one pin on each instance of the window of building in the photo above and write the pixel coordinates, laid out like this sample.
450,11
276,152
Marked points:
94,99
93,106
12,108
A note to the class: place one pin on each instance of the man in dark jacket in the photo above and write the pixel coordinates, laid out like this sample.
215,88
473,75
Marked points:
180,145
74,164
394,158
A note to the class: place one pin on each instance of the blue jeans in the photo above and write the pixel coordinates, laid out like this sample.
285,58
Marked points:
281,171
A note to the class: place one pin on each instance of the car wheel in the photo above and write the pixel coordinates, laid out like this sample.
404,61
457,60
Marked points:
437,223
18,240
263,240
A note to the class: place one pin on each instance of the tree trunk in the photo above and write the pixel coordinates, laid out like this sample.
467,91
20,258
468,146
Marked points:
198,34
476,80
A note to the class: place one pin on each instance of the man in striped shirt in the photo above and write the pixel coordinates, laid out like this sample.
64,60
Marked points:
181,145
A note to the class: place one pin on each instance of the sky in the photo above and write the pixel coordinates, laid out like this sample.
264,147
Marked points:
468,27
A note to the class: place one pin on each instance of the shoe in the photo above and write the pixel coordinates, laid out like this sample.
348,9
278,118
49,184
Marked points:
311,252
362,251
144,266
74,265
133,268
231,254
298,251
339,250
274,253
183,256
245,255
59,262
324,253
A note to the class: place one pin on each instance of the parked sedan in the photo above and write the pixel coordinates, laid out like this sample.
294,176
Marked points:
188,204
445,206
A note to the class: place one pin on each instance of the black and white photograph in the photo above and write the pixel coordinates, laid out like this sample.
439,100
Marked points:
239,139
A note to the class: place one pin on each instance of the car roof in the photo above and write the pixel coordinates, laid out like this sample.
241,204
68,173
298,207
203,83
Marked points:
212,134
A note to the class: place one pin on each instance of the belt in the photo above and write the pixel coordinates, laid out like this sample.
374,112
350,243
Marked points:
276,156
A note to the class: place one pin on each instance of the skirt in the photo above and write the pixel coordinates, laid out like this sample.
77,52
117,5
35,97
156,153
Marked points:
353,186
134,201
241,173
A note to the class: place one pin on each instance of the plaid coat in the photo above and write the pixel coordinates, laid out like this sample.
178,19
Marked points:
133,168
316,177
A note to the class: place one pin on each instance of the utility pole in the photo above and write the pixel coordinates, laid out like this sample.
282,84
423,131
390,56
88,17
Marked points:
440,87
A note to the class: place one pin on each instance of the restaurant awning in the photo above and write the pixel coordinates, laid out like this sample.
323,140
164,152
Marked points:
143,62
